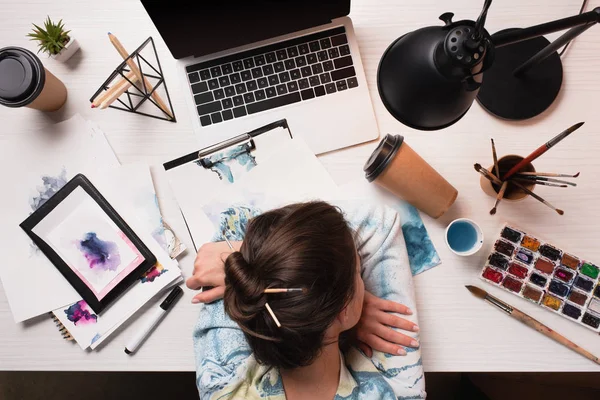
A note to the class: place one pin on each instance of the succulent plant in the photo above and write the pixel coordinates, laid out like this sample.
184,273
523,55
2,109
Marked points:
52,38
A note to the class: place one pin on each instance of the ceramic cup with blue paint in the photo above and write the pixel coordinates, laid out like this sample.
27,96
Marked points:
464,237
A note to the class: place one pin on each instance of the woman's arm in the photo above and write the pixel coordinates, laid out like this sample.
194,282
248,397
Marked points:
386,273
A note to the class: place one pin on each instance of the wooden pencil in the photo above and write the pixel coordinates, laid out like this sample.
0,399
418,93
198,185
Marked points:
500,197
105,94
549,174
116,92
496,167
541,150
132,65
531,322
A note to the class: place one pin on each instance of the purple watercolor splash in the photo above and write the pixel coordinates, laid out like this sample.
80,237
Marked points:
153,273
50,185
79,314
100,254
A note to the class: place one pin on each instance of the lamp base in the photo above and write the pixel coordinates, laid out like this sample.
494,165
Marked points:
516,98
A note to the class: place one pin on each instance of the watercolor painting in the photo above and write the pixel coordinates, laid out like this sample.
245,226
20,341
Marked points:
225,163
89,242
100,254
80,314
422,254
50,185
153,273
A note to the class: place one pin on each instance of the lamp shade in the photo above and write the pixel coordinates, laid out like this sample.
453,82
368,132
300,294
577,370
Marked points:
427,79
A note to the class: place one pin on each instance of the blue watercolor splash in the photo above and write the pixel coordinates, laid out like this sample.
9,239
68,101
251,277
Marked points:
50,185
95,338
422,254
221,163
233,222
79,314
100,254
153,273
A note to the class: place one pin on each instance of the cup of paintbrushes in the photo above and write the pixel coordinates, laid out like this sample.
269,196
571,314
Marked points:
512,192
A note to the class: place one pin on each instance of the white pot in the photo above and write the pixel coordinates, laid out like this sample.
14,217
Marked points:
68,51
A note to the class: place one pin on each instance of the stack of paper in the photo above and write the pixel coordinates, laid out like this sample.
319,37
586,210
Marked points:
40,164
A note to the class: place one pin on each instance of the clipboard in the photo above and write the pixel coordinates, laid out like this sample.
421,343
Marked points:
195,177
245,140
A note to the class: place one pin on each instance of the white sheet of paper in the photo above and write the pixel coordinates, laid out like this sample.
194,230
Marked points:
79,219
46,160
121,187
195,186
290,174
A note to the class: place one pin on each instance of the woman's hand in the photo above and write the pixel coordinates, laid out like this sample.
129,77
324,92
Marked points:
374,330
209,270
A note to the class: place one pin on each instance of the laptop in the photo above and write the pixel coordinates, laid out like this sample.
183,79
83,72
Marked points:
247,64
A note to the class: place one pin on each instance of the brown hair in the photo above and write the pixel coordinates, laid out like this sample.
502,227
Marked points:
305,245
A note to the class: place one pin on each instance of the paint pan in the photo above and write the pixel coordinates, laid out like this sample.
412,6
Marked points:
544,274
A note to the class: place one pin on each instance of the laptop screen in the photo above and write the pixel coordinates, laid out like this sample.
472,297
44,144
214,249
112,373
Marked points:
199,28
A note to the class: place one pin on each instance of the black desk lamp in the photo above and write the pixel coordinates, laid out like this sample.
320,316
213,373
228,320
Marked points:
428,78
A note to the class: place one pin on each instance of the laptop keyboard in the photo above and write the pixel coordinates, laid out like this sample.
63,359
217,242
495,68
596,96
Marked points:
273,76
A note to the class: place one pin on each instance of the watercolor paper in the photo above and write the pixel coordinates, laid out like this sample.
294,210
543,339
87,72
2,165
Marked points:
122,186
89,242
46,161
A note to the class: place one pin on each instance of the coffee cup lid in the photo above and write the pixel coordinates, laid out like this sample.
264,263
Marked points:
22,76
382,156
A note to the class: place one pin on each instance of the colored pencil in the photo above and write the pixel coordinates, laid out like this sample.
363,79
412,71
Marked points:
105,94
500,197
542,149
529,181
543,179
538,198
132,65
549,174
531,322
496,167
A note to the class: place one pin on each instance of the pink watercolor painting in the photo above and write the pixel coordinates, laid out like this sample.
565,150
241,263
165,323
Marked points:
80,314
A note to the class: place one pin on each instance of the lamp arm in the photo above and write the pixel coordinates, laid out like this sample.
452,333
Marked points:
501,39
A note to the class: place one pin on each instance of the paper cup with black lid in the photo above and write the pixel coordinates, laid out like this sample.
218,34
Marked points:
396,167
24,82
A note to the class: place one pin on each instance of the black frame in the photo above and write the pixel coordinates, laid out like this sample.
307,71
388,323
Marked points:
123,68
36,217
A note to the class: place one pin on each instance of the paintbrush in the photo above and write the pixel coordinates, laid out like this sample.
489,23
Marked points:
496,167
538,198
531,322
529,181
542,149
549,174
487,174
500,197
540,178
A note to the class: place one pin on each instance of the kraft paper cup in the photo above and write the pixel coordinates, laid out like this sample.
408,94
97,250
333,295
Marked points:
396,167
24,82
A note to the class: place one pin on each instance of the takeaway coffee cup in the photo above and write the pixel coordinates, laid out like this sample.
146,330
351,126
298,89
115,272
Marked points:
396,167
24,82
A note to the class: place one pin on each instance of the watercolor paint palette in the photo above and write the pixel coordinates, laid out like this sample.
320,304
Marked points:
544,274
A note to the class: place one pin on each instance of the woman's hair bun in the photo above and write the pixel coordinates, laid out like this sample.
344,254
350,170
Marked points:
246,299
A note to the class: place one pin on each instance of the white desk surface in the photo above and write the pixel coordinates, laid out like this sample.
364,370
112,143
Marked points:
459,332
